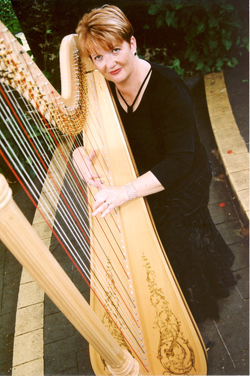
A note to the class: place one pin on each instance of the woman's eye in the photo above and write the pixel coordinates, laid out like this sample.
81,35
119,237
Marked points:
115,50
98,57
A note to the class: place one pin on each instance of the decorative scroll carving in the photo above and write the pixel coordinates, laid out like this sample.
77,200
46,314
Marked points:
112,305
174,351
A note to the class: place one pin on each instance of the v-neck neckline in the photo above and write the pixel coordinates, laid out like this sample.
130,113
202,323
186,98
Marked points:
115,93
130,107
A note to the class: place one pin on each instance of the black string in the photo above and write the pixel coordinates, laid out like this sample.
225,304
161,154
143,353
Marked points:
130,108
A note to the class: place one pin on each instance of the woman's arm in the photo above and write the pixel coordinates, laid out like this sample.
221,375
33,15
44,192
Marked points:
110,197
176,131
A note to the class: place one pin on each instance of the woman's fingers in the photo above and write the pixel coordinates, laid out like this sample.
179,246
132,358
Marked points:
92,156
84,166
109,198
104,208
94,180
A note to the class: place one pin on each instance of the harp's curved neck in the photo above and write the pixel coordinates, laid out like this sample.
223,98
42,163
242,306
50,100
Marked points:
67,111
134,290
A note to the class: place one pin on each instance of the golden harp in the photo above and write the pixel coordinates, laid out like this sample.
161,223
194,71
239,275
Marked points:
138,321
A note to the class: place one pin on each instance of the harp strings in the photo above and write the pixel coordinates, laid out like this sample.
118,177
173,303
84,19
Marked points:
47,205
55,173
76,194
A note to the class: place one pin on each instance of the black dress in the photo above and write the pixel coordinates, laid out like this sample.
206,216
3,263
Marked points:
164,140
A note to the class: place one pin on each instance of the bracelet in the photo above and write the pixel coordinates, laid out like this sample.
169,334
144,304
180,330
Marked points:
131,191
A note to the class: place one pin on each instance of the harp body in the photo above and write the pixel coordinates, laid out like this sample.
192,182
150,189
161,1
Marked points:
134,292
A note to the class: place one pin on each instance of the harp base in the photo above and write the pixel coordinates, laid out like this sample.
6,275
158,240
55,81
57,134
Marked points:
130,367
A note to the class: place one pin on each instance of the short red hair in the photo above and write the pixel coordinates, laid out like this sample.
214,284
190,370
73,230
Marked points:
103,27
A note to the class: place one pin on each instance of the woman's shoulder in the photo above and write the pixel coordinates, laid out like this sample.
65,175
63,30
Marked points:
165,72
166,83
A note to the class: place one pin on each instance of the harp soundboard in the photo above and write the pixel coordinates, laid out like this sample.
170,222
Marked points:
136,304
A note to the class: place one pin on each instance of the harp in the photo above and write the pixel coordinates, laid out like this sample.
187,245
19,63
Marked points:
137,321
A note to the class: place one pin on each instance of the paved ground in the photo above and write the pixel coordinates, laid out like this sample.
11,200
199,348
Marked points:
237,83
230,353
66,353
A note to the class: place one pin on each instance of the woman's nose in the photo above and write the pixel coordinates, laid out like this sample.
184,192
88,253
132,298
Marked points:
110,61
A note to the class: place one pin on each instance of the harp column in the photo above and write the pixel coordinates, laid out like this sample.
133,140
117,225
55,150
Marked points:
21,239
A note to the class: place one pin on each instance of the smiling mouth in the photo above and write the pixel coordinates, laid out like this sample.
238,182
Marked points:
114,72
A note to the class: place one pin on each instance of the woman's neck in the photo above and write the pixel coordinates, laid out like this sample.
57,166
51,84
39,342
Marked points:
130,87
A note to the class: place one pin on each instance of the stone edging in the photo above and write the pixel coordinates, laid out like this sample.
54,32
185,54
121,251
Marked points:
28,351
231,146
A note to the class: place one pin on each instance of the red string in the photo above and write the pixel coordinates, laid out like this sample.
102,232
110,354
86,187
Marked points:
33,201
60,242
64,199
65,249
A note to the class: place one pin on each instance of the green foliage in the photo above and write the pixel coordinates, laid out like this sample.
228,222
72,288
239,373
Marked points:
10,20
35,133
8,17
199,35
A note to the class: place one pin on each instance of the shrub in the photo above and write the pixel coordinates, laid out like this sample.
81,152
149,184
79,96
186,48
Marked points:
8,17
10,20
199,35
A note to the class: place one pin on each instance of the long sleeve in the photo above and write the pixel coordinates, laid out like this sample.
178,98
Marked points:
177,129
161,132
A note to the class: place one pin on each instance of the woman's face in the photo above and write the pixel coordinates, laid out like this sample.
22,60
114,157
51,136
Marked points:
118,64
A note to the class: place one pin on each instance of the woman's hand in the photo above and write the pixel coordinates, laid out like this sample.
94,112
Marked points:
84,166
108,198
111,197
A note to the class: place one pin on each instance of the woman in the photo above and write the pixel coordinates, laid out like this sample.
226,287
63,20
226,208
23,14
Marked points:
174,172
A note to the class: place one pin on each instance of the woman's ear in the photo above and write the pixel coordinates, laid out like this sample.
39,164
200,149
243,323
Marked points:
133,44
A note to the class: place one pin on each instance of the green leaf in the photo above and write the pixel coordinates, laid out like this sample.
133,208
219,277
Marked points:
213,22
208,6
206,69
179,4
232,63
31,172
159,21
228,7
169,17
200,65
29,161
210,62
201,28
193,57
176,63
234,24
227,44
153,9
219,64
213,44
245,40
226,34
14,26
238,41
